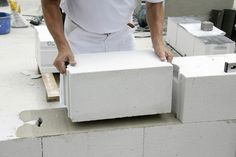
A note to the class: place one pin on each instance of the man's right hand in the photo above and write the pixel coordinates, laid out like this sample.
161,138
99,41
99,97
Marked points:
53,19
64,56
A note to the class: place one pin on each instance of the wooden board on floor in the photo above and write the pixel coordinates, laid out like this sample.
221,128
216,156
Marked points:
52,90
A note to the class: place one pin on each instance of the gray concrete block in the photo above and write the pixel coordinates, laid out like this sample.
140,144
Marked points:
28,147
110,143
214,139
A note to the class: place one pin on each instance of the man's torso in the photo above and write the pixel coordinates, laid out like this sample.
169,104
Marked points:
103,16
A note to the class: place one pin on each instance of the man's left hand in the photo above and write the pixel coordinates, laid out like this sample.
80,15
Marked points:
165,54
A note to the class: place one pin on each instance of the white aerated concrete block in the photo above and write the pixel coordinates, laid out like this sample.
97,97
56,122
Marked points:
46,50
116,143
184,34
202,91
173,25
28,147
214,139
191,41
118,84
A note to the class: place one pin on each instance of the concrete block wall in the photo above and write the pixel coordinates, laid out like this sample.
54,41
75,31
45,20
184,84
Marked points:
149,139
215,139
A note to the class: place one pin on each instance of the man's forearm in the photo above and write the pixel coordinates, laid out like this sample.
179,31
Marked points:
155,18
53,19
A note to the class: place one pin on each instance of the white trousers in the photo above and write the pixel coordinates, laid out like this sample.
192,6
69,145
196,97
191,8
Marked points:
82,41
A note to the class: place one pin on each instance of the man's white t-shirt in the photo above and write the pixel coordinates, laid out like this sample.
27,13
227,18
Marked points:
101,16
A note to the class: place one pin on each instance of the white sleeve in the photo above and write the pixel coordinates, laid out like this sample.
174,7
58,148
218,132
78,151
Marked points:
154,1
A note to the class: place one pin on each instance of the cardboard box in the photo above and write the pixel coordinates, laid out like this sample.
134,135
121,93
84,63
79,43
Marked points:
202,91
117,84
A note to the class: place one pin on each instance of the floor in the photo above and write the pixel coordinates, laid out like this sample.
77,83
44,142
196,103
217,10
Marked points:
18,91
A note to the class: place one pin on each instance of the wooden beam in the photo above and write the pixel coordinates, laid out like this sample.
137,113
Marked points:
52,90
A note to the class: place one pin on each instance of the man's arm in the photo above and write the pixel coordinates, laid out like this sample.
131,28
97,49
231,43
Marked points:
53,19
155,19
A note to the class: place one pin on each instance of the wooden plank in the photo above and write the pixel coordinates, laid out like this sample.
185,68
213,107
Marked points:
52,90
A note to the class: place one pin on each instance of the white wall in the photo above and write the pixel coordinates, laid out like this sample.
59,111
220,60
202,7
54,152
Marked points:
195,8
234,6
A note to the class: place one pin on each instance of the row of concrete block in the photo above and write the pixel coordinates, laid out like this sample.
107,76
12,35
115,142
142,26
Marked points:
157,136
136,83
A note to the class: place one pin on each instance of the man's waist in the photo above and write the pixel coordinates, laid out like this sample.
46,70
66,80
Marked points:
102,27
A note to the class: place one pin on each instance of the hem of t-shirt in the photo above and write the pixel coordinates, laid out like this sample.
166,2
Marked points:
154,1
91,31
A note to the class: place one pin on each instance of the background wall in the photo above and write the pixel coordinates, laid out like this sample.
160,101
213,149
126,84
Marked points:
173,7
234,4
195,7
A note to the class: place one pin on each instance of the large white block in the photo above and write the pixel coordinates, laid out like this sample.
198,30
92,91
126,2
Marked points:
191,41
184,42
202,91
214,139
185,35
46,50
28,147
118,84
173,25
109,143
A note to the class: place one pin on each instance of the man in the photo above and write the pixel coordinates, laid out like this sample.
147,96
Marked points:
99,26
